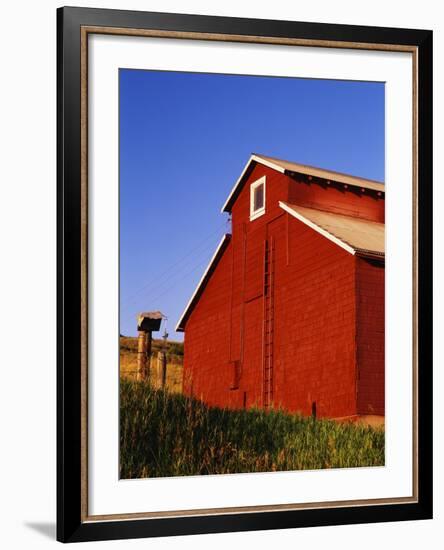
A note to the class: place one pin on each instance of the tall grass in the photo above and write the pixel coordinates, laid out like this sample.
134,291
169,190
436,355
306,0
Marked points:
172,435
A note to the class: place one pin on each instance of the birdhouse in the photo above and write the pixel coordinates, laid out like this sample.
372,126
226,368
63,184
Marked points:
149,321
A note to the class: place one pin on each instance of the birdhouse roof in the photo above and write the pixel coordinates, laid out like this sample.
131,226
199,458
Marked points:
151,315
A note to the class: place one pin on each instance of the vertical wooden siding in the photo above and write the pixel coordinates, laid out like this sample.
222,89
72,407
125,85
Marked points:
335,198
370,336
315,316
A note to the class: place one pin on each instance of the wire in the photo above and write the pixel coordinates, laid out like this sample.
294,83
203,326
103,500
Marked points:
154,289
151,285
167,289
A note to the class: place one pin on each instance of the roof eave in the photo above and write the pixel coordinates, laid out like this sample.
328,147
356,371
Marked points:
320,173
370,254
346,246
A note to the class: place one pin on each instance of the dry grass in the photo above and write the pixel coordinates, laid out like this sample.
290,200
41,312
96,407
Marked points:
128,362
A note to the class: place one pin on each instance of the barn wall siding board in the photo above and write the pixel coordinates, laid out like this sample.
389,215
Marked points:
370,337
337,199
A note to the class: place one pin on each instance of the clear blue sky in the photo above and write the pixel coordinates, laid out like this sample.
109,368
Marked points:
185,138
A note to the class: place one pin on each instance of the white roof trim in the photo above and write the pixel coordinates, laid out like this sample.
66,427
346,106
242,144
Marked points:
254,158
304,169
202,279
320,230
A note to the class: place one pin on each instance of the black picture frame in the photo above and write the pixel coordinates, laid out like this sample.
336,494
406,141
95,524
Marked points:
71,525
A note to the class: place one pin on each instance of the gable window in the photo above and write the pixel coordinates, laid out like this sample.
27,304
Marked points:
257,198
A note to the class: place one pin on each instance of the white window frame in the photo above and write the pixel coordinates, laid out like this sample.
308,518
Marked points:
260,211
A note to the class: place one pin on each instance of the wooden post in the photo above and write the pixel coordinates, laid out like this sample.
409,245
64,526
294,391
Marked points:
144,355
161,369
146,323
149,340
141,355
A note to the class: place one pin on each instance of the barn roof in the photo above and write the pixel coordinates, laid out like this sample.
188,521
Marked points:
290,168
180,327
357,236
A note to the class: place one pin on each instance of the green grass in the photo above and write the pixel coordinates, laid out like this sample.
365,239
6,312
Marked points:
172,435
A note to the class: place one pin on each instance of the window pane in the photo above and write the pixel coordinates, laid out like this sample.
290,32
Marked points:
259,197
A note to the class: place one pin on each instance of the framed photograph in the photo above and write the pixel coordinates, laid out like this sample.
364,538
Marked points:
244,274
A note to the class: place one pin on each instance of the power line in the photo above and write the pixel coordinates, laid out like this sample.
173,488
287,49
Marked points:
174,274
169,287
161,290
166,290
185,256
182,278
152,284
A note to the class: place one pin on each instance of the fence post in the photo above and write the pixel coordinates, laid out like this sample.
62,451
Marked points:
161,369
143,355
146,324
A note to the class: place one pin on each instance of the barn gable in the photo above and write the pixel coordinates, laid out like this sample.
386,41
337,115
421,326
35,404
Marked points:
363,237
289,168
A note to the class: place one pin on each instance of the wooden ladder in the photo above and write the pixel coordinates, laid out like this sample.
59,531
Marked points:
268,324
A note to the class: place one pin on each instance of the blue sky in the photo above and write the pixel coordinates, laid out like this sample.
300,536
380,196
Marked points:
185,138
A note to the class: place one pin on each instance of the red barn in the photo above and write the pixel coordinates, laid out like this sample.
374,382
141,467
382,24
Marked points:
290,311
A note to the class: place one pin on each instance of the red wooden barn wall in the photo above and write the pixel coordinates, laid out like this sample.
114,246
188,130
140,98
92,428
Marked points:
316,323
337,199
322,293
370,336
